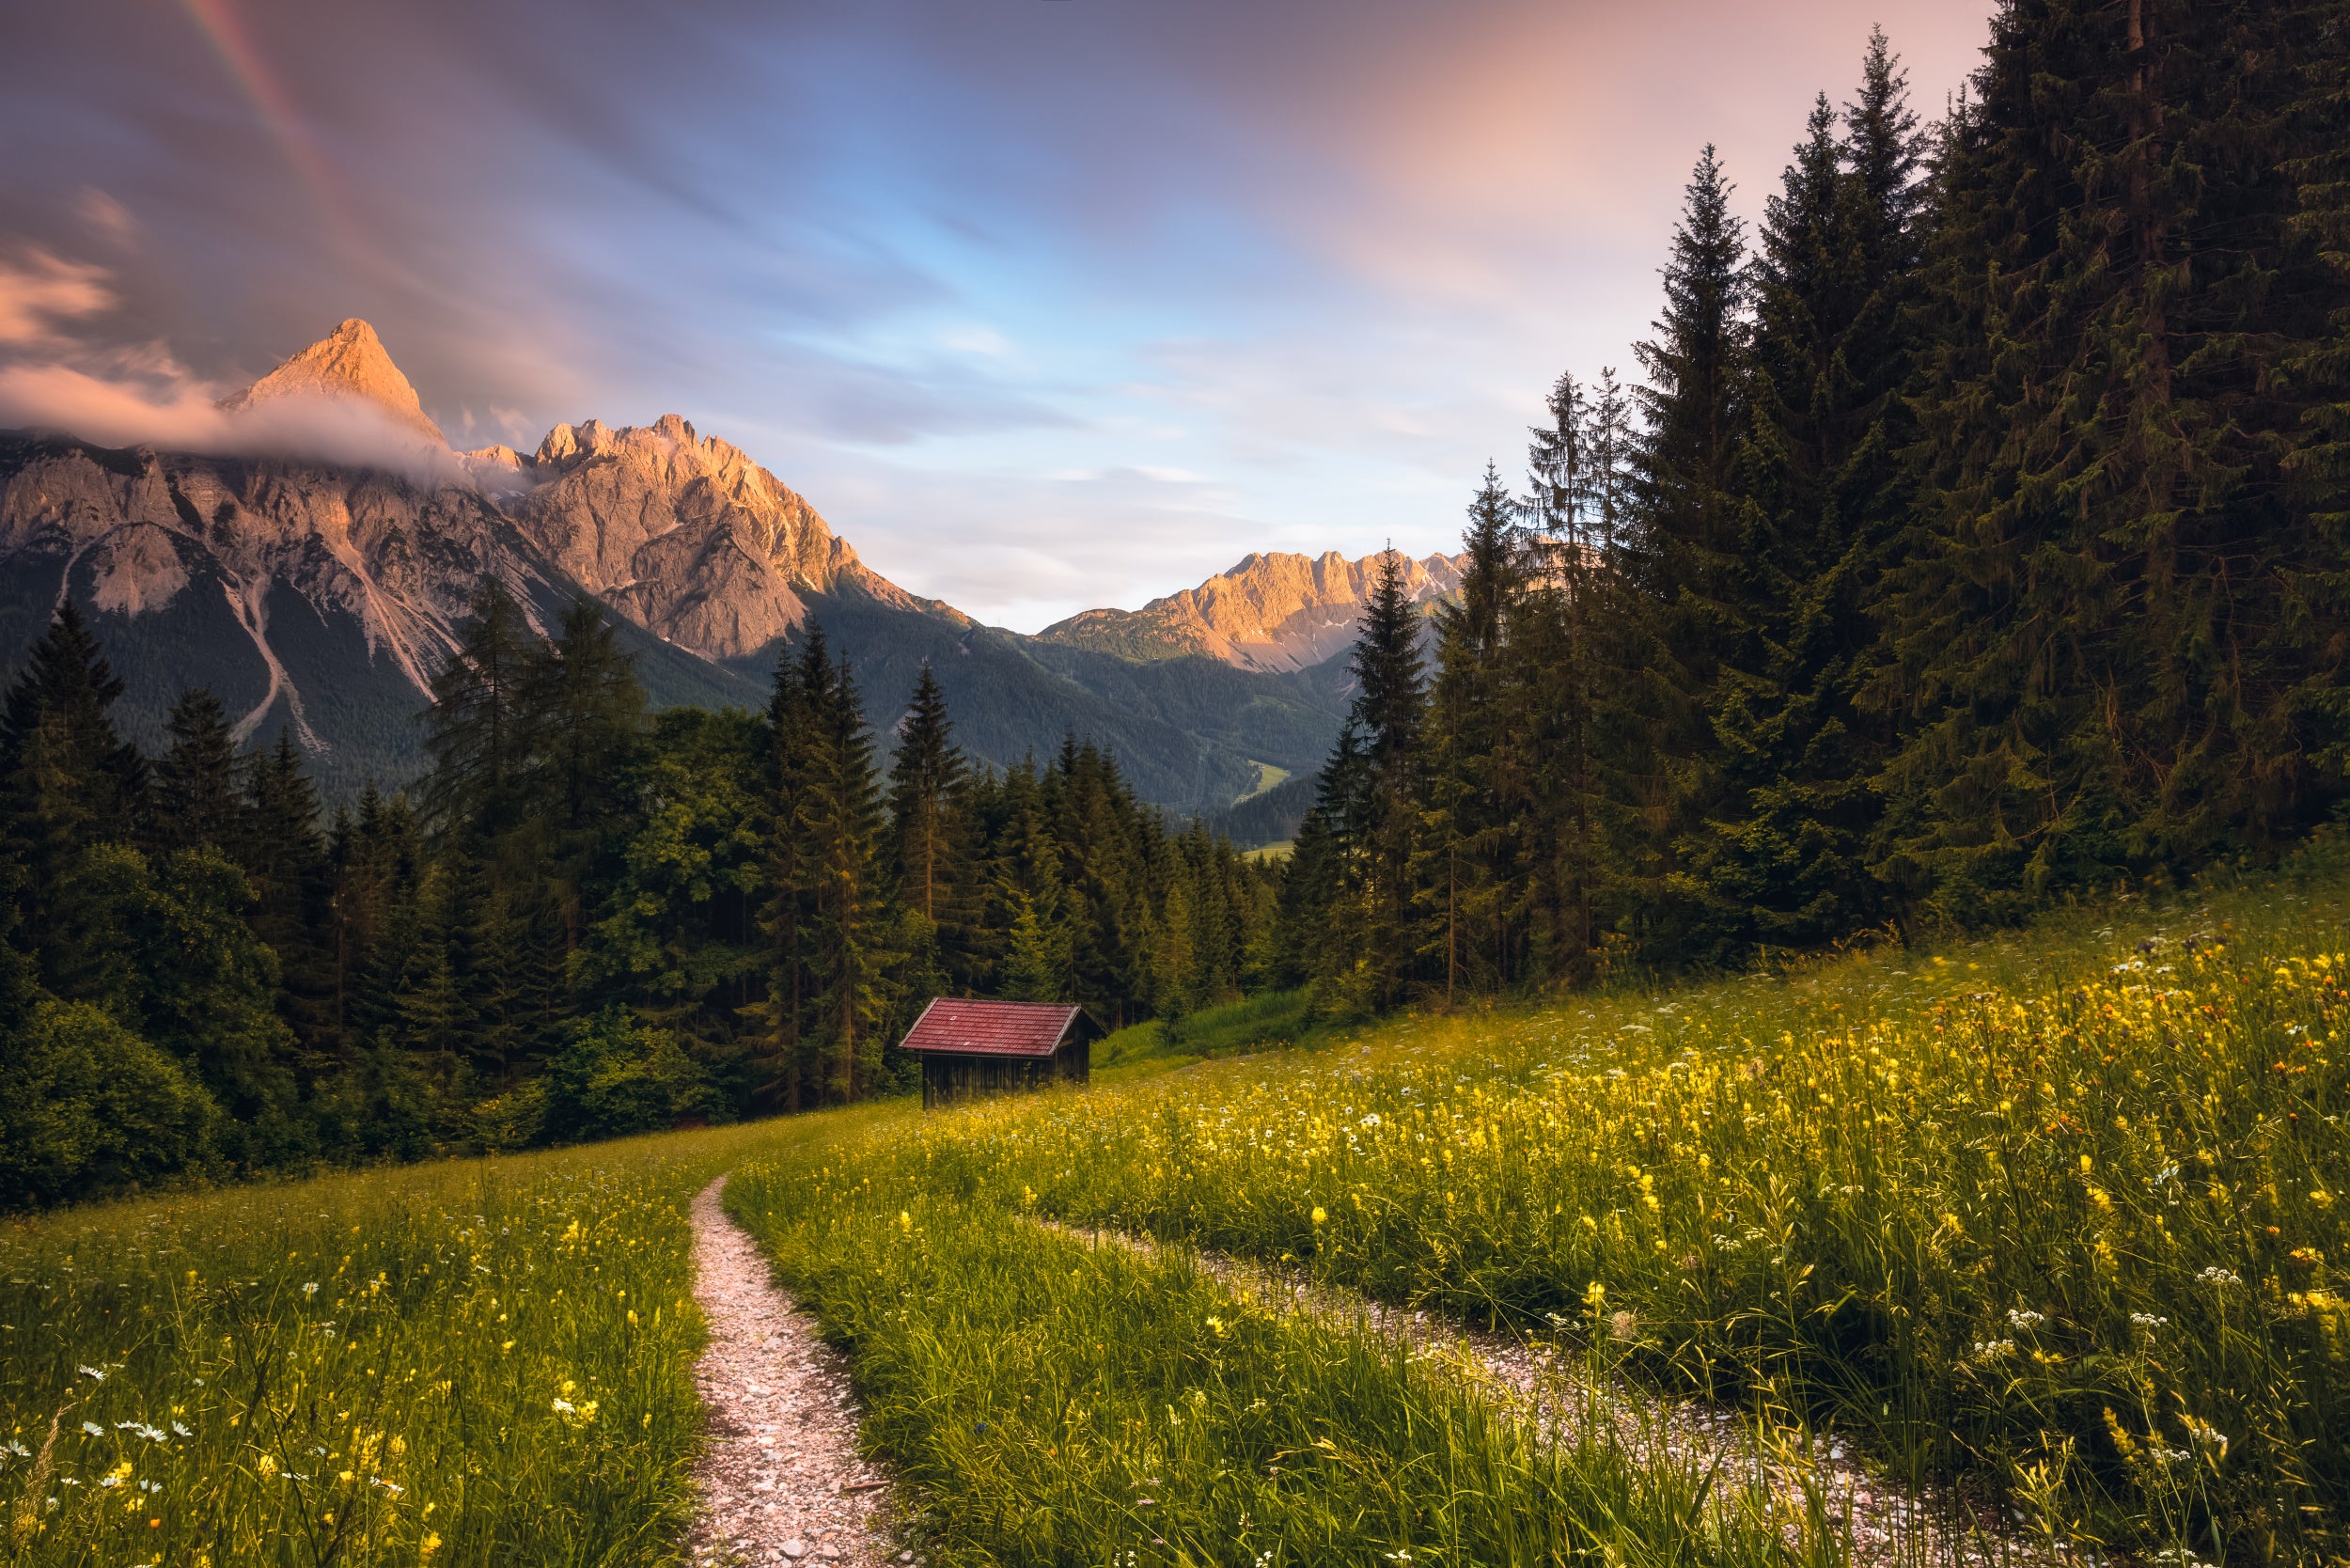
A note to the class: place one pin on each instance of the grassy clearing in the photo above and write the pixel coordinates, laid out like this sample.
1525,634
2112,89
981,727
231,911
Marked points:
466,1363
2059,1209
1272,1020
1057,1403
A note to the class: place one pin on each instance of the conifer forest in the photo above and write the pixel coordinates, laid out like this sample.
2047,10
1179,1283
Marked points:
586,920
1973,541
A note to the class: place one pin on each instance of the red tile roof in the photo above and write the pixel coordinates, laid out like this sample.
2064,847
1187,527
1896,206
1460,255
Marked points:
991,1029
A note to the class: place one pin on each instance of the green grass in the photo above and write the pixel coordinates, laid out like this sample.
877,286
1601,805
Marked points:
1264,1022
1057,1403
476,1362
1267,776
2059,1210
1270,1021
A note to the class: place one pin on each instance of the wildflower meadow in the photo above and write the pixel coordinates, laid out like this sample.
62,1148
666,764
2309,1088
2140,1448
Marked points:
2049,1224
2056,1214
464,1363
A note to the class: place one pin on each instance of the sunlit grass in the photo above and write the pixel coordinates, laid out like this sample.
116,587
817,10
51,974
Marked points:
466,1363
2059,1210
1053,1402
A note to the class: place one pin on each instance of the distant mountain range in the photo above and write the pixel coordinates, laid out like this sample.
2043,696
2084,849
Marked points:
322,594
1271,612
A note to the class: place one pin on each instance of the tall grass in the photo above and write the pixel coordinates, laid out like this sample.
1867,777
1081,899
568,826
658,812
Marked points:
1269,1020
1057,1403
2059,1210
2062,1211
468,1363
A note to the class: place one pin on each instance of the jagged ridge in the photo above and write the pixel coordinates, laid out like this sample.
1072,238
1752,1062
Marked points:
324,596
1269,612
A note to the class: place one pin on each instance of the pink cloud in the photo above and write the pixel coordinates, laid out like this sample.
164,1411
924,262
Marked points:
144,396
40,291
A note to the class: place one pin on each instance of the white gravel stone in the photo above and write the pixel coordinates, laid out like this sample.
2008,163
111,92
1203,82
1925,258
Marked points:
782,1468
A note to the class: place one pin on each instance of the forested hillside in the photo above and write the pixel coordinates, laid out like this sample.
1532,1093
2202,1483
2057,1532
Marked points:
588,921
1975,542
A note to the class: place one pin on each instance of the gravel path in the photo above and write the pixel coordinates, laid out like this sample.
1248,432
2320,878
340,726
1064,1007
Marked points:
782,1480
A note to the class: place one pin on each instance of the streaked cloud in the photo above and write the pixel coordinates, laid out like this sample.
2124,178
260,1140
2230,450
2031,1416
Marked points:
41,294
926,260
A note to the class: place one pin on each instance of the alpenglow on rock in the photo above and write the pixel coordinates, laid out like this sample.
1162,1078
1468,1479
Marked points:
1269,612
349,362
689,538
318,581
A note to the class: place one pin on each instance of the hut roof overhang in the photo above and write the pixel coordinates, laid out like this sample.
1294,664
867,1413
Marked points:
950,1026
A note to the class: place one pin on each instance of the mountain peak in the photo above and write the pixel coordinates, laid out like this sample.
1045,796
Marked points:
1271,611
348,362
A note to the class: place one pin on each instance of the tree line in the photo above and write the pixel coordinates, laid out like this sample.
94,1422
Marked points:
1975,540
587,919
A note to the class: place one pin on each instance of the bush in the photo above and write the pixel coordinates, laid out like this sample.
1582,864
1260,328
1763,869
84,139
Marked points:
617,1075
87,1108
513,1120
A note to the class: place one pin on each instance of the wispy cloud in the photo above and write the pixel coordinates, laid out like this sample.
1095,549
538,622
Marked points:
1321,259
41,294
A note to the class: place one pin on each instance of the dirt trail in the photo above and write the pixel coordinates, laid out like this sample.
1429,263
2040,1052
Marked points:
1889,1524
782,1480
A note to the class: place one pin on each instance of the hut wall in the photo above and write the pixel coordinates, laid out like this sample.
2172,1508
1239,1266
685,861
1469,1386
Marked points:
949,1079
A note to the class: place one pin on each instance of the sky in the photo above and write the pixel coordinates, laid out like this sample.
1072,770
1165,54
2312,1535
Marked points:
1046,304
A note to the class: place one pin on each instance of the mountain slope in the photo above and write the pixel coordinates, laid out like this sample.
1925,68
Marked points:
322,596
311,596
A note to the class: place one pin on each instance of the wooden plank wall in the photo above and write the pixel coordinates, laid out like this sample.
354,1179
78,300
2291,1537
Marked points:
948,1080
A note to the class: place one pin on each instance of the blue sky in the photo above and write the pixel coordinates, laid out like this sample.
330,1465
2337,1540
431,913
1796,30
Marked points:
1044,304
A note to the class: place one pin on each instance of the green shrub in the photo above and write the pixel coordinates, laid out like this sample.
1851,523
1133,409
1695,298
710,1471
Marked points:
617,1075
88,1107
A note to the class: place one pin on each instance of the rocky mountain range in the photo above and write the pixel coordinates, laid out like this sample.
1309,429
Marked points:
1270,612
323,595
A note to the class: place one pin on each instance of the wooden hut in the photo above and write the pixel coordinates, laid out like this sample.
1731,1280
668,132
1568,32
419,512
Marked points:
975,1048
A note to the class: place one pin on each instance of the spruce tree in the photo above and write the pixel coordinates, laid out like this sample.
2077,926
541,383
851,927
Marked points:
1473,796
68,781
787,865
1688,552
581,715
848,924
195,792
1376,778
1592,691
477,730
928,834
1783,858
2114,612
287,859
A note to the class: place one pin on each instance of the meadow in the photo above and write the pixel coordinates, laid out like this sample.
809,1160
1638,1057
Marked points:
487,1361
1052,1400
2055,1212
